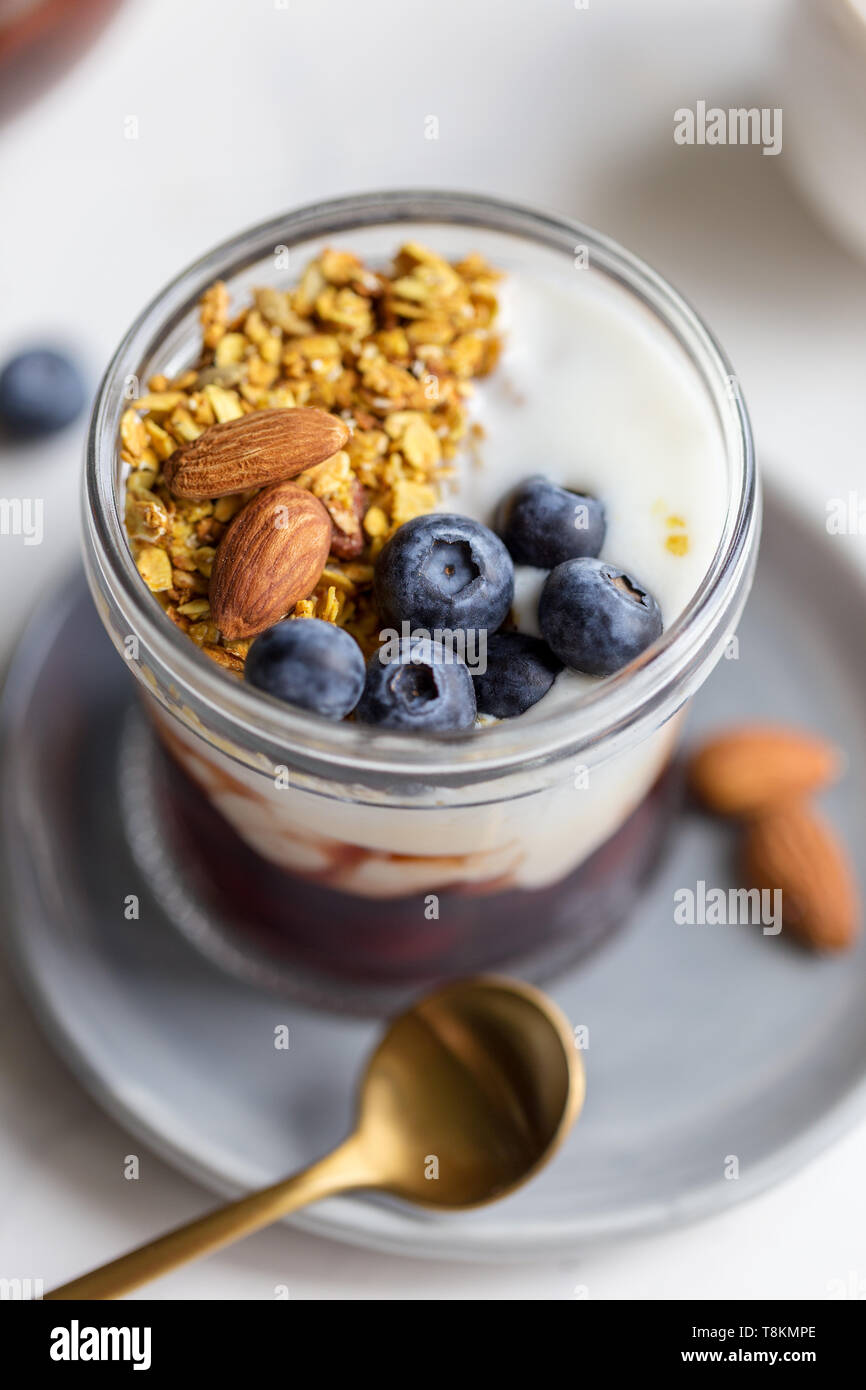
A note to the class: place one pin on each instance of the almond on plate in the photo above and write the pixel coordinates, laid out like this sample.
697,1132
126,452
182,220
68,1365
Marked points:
272,555
793,849
748,769
267,446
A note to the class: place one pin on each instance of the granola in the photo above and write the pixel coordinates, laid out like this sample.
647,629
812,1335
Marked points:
393,354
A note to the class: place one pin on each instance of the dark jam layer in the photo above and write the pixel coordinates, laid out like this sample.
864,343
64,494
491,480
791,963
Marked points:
295,923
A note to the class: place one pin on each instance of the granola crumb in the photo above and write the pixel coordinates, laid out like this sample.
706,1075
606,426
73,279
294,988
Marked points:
392,353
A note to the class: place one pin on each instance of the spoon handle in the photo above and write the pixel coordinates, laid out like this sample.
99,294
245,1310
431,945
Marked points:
345,1168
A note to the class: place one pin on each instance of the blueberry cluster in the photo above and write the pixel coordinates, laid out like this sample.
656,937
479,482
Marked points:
443,582
440,582
593,616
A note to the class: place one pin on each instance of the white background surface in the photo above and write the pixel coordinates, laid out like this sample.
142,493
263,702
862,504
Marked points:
246,108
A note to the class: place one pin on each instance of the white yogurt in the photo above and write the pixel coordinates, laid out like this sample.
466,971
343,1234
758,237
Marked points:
594,393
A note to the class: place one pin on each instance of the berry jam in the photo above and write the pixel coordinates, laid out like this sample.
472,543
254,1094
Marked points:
420,939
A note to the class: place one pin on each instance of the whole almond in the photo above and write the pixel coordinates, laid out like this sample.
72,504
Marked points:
793,849
267,446
747,770
272,554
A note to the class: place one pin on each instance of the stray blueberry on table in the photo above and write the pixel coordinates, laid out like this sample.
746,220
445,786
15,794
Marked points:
424,688
595,617
309,663
520,670
544,525
444,572
41,391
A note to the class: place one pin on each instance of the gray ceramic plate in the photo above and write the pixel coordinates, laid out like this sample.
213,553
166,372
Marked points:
704,1042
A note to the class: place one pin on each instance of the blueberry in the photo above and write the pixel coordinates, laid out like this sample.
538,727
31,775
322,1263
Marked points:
40,392
309,663
544,525
444,572
595,617
421,686
520,669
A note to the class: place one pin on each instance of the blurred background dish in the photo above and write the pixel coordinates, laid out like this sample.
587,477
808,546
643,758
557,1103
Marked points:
824,99
40,39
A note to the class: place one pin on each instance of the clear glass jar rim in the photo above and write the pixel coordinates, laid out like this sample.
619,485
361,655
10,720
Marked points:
647,691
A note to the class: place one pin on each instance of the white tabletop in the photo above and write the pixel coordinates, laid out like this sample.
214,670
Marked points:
247,107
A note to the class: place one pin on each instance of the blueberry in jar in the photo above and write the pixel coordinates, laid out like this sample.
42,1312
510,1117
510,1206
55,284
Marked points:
310,663
519,670
422,687
543,524
595,617
442,572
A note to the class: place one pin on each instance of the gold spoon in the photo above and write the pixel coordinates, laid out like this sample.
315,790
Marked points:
467,1096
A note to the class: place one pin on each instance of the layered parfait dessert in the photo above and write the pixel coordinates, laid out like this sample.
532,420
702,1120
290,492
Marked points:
429,502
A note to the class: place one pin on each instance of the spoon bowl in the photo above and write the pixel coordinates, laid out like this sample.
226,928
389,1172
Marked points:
470,1092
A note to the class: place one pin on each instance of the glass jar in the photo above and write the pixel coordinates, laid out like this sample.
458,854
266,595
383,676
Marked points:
354,864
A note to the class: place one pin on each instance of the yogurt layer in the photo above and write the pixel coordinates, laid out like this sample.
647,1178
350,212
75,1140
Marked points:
593,392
